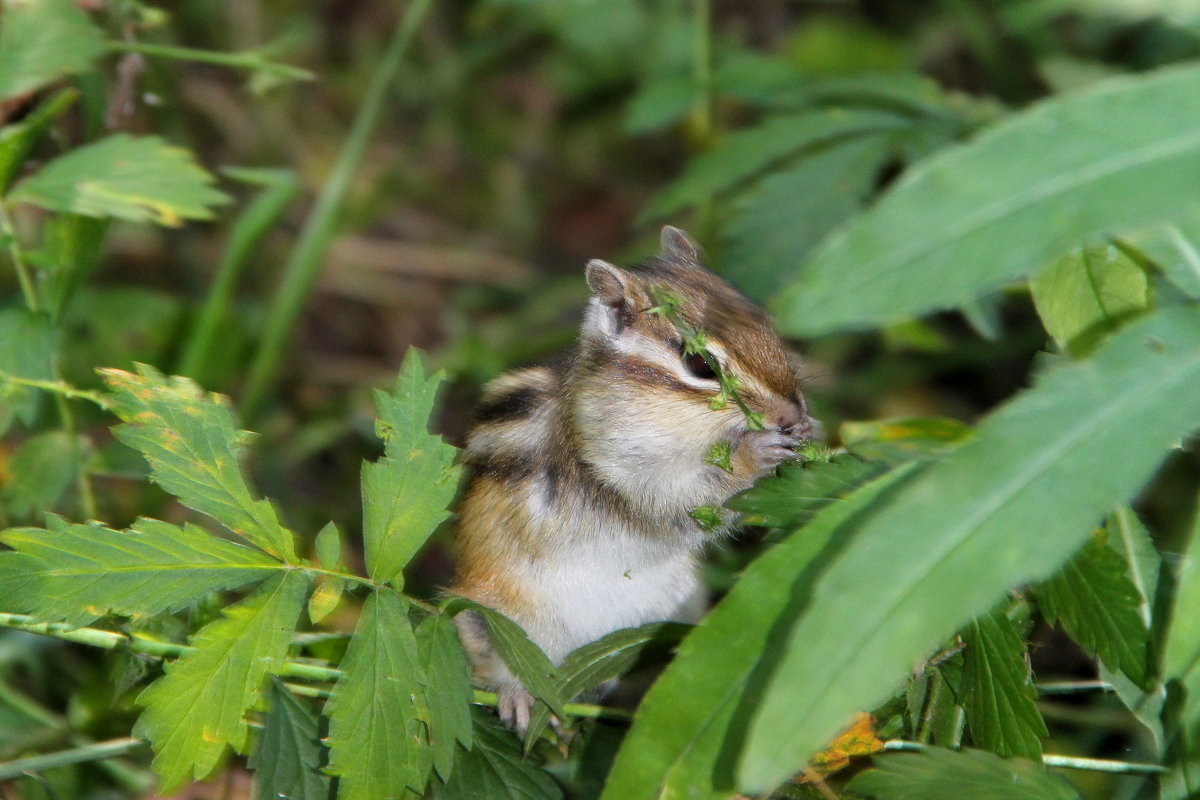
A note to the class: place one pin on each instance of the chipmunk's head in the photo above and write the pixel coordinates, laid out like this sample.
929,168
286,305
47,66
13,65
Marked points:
653,398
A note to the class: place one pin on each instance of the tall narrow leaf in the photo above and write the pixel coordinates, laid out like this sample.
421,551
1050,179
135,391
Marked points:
191,440
376,735
29,341
1111,157
447,689
405,493
937,774
1181,653
198,708
689,720
1008,506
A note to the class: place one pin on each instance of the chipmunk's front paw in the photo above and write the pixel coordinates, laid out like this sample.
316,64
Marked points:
515,706
770,448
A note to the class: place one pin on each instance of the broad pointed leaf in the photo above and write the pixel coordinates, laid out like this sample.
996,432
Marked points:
377,739
138,178
495,769
998,691
191,440
197,709
966,221
406,493
1095,600
85,571
800,490
41,471
287,761
1008,506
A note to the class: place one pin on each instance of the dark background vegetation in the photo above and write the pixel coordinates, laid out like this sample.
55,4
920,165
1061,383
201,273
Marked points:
522,138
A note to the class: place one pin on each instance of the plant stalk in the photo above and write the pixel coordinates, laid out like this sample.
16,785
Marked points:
63,758
18,258
1066,762
246,60
305,261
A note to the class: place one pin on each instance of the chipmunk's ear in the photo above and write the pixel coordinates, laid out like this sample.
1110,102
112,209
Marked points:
678,246
609,283
609,312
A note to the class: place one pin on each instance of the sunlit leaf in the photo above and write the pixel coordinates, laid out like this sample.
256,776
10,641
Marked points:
138,178
191,439
18,139
1112,157
87,570
407,491
197,709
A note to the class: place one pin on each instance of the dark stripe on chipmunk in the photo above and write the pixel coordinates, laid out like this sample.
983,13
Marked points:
647,373
517,404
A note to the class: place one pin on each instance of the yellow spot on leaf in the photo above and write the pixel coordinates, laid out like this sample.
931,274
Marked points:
857,740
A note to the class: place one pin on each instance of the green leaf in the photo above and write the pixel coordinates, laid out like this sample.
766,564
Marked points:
1008,506
287,760
789,212
678,744
1114,156
71,248
42,41
1087,293
197,708
747,153
191,440
138,178
937,774
895,441
30,341
18,139
377,737
1098,605
329,588
406,493
447,689
41,470
495,769
800,490
1130,539
526,660
998,693
85,571
608,657
1175,249
1181,652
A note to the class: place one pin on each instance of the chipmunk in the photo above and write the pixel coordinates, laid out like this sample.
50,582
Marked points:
576,520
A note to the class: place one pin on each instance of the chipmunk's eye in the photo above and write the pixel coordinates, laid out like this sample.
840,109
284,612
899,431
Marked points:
698,366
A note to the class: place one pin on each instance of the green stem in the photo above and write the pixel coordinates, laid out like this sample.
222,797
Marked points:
55,387
255,222
304,263
18,258
110,640
63,758
1072,687
246,60
1050,760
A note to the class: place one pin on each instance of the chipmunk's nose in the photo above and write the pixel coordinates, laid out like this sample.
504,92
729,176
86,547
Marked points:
793,420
